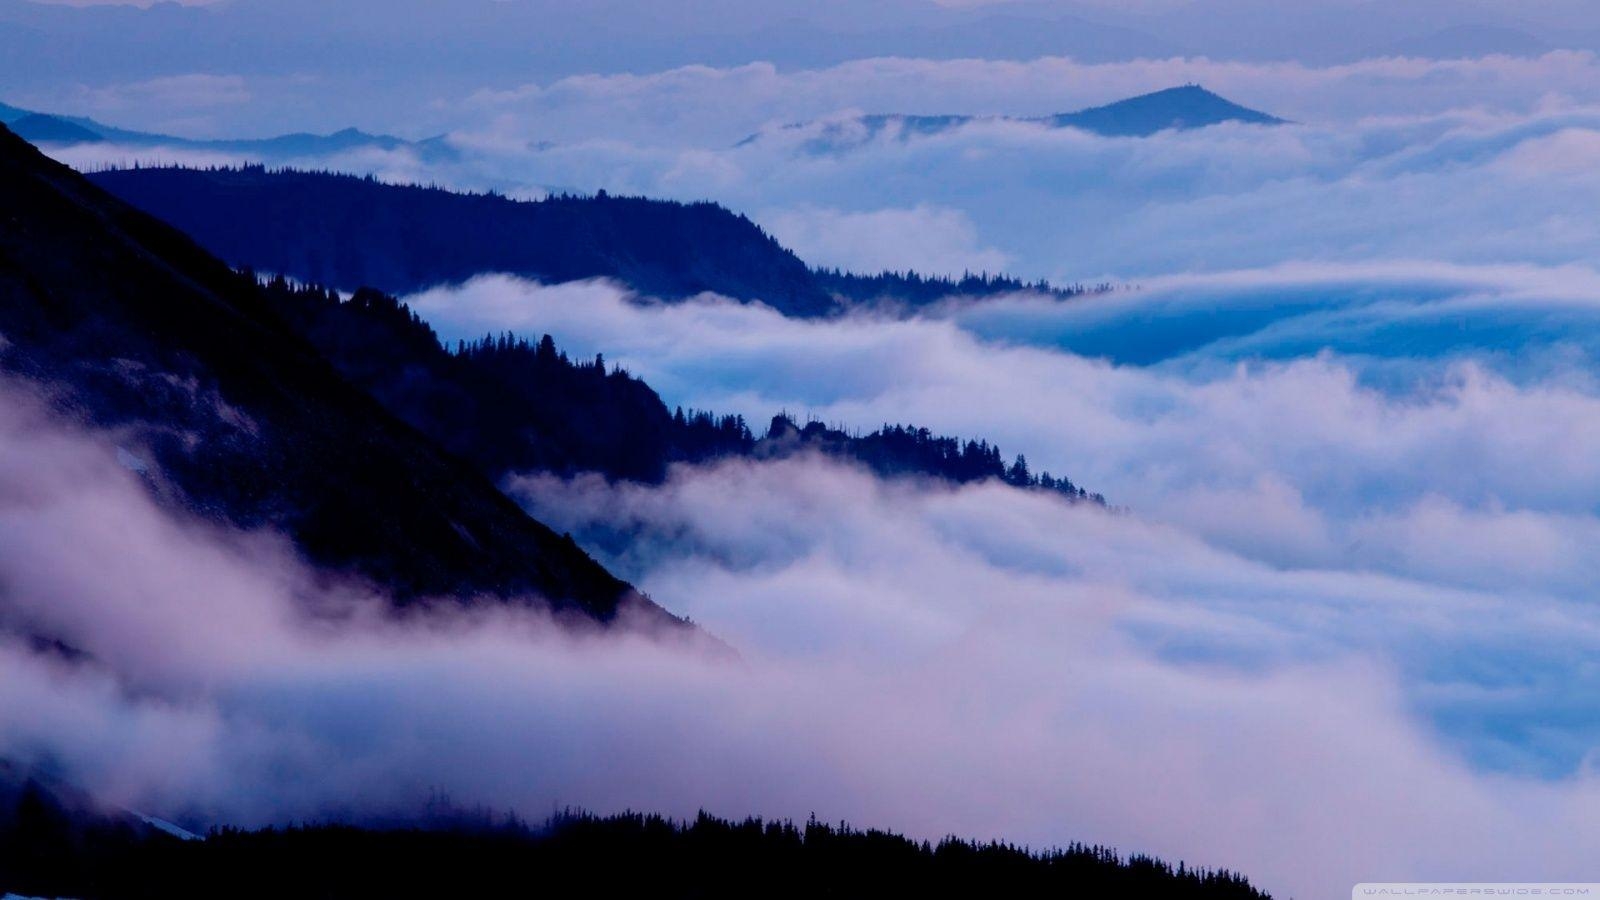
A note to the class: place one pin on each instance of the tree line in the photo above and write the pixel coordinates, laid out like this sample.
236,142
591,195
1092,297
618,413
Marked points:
46,852
511,405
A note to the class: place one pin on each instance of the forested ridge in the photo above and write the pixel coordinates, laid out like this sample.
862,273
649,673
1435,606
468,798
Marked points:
510,405
45,851
349,232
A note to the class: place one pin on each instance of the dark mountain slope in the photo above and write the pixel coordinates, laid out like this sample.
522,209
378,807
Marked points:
48,829
349,232
134,327
1173,109
512,406
504,405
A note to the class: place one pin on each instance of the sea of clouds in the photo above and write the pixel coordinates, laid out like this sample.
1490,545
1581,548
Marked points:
979,661
1468,161
1427,452
1340,625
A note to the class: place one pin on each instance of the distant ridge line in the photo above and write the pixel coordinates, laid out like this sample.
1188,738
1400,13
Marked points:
317,227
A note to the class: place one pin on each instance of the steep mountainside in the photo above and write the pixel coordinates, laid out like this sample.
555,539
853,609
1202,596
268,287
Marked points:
349,232
132,326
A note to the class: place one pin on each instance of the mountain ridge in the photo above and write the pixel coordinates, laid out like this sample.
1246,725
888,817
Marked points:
349,232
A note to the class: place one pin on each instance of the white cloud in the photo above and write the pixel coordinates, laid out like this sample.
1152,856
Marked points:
1447,379
1430,512
978,661
1112,644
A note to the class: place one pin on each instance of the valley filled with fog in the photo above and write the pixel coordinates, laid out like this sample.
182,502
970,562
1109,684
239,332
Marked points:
1338,381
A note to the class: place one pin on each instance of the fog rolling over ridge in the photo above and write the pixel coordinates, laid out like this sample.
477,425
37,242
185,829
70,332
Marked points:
608,416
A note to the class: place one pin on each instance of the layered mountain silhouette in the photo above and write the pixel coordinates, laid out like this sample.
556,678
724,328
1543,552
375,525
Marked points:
349,232
57,130
1179,108
346,424
512,406
131,326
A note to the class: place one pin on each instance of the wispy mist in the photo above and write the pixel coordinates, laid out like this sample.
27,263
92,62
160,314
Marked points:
974,661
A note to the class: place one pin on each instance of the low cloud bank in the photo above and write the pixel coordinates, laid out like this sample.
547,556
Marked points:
981,661
1451,474
1345,382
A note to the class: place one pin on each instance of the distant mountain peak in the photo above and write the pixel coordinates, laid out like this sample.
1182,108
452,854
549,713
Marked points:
1192,93
1180,108
1176,108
